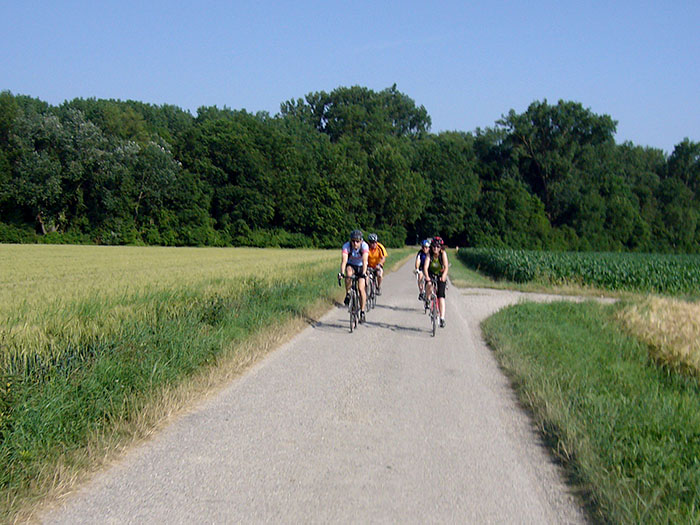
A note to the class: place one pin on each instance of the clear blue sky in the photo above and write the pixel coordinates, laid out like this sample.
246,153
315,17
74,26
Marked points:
467,62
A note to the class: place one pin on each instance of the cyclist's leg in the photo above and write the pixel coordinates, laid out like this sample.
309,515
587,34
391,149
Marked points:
349,272
428,287
441,301
363,295
380,275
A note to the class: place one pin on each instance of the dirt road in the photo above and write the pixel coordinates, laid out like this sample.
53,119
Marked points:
387,424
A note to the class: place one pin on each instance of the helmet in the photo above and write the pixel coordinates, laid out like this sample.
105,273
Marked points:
356,234
437,241
426,242
372,237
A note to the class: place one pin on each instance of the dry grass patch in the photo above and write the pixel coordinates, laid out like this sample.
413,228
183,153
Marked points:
671,327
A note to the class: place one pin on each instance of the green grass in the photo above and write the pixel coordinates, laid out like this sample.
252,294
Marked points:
80,361
627,430
464,277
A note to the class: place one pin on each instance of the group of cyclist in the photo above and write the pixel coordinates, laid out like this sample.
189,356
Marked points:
358,256
431,265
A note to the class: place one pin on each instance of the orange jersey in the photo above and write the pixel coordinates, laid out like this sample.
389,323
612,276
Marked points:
376,255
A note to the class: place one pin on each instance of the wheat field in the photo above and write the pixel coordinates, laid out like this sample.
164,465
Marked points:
55,296
671,328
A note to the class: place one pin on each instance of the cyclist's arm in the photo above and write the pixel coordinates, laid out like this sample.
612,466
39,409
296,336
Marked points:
343,263
426,264
445,266
365,262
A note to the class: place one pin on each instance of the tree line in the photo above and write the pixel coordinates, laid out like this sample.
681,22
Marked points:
128,172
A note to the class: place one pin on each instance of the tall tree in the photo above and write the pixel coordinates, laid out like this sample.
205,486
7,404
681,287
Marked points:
448,162
549,142
359,112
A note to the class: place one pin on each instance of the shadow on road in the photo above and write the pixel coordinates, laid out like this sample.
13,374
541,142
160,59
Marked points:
400,308
397,328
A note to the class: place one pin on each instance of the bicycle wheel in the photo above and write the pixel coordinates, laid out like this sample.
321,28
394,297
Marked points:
352,308
433,313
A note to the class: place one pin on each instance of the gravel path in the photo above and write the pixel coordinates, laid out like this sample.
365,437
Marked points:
387,424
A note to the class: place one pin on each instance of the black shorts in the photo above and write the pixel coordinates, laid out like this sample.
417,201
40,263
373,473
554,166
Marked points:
441,286
357,270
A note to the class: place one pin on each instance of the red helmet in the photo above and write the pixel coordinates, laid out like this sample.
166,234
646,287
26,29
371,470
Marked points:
437,241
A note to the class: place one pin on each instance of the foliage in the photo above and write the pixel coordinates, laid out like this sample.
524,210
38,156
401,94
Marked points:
127,172
673,274
89,334
626,429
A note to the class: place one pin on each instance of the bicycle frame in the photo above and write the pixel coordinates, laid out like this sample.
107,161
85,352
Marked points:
433,306
371,288
354,303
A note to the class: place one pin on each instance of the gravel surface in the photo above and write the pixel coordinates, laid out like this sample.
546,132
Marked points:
386,424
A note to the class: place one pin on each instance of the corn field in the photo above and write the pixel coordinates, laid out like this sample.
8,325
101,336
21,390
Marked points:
649,273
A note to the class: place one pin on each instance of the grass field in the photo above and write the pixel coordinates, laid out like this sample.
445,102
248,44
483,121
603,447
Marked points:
100,345
615,392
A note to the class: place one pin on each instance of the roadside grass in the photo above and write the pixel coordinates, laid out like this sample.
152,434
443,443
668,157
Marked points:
100,346
669,325
614,389
627,430
464,277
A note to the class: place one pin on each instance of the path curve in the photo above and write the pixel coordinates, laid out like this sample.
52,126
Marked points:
387,424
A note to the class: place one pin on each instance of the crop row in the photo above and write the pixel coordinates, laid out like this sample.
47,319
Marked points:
651,273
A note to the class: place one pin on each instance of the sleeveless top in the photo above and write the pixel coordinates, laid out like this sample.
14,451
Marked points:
435,266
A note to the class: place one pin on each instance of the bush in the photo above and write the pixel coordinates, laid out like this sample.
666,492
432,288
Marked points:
12,234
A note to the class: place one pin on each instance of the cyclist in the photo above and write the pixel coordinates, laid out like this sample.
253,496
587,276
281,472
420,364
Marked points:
376,259
354,262
436,266
420,260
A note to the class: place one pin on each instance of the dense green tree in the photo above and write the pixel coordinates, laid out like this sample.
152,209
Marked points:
448,162
548,143
684,164
130,172
364,114
677,228
508,215
394,193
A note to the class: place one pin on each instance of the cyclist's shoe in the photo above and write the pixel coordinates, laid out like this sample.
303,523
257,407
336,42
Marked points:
442,323
346,301
379,291
362,316
421,296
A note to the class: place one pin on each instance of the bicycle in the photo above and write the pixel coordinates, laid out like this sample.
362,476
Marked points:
371,288
422,296
354,303
433,307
